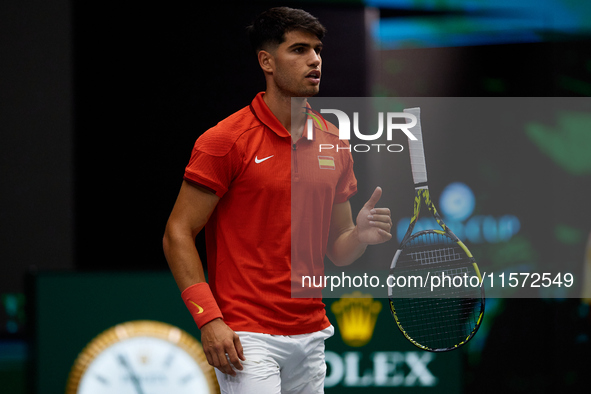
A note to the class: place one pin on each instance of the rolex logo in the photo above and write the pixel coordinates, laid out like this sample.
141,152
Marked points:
356,317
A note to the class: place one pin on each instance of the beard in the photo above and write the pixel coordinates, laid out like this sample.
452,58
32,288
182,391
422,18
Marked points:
292,86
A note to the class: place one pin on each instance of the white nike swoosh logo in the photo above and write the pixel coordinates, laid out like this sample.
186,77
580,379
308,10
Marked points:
257,160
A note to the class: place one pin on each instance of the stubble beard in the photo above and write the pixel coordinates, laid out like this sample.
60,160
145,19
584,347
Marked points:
291,88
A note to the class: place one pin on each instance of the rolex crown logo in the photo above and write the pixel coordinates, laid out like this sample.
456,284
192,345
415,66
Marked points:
356,315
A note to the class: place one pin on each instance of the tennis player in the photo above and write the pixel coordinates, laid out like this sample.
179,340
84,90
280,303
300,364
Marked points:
238,186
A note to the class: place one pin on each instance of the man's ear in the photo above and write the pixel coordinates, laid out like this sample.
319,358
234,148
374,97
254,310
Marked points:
266,61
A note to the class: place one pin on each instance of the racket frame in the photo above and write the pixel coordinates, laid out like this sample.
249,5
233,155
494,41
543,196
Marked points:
422,195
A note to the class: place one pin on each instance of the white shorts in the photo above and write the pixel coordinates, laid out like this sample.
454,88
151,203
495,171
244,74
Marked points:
279,364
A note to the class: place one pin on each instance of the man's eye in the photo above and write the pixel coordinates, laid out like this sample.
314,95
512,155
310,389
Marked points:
299,50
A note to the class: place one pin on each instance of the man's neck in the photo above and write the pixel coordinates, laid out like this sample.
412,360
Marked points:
281,106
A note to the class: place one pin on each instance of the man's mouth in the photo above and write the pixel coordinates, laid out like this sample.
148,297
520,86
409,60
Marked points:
314,76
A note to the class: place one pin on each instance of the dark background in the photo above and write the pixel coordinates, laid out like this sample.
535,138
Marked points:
100,104
145,91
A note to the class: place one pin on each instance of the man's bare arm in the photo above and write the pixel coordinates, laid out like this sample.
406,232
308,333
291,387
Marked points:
347,241
189,215
193,207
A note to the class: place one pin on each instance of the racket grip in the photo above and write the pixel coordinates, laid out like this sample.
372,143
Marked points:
417,153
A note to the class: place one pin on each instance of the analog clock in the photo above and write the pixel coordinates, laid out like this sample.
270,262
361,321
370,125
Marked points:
142,357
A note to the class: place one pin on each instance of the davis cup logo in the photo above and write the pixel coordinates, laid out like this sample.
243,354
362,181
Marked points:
316,117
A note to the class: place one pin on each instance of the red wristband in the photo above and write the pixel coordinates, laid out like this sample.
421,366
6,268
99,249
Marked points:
200,302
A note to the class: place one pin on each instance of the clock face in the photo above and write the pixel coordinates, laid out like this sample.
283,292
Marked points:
142,358
143,365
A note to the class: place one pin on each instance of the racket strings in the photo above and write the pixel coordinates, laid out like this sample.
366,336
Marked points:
435,256
438,307
438,323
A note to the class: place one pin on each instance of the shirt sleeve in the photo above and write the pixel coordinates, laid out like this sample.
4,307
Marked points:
347,186
212,165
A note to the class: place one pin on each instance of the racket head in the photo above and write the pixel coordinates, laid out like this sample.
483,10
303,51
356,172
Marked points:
435,318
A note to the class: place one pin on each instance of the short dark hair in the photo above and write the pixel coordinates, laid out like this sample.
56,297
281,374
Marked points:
270,27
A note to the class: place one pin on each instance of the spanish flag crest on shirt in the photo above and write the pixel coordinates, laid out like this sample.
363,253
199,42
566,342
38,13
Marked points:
326,162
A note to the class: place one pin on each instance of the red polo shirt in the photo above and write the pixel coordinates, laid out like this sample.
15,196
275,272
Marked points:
247,160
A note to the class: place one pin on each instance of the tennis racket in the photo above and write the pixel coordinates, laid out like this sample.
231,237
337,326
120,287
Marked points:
432,299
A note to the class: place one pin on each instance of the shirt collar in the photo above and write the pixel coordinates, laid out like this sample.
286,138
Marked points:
264,114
